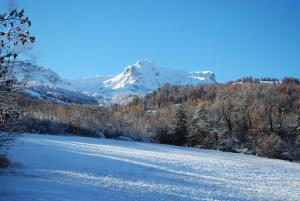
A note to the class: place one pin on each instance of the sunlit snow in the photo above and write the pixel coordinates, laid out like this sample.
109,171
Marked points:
60,168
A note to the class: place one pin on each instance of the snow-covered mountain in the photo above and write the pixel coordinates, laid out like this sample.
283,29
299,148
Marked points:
31,75
43,83
139,79
88,85
145,76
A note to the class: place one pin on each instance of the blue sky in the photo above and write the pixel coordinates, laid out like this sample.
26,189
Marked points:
233,38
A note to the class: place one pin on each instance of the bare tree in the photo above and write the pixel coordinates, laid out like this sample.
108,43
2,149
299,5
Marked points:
14,40
226,110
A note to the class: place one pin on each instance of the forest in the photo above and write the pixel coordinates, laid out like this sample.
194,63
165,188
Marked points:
250,117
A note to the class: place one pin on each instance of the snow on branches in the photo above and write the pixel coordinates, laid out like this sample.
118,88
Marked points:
14,40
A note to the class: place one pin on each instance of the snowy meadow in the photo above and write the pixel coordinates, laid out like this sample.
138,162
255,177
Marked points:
61,168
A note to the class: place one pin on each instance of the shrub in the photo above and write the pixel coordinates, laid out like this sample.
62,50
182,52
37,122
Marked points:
4,162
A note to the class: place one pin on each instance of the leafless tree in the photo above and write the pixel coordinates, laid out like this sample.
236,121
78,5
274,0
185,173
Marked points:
14,40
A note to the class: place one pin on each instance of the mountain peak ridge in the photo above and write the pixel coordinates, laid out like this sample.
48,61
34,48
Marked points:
140,78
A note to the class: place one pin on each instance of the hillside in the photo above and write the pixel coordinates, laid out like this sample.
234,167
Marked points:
60,168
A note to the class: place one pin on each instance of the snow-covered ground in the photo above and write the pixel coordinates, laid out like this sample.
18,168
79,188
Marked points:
75,168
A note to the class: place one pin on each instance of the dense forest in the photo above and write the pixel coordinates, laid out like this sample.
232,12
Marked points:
251,118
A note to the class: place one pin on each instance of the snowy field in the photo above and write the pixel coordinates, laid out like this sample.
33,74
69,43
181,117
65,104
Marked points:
59,168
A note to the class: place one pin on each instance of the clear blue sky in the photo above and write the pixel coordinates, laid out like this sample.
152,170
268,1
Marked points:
233,38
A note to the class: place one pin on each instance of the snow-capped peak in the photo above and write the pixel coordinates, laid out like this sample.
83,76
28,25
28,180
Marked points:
145,76
144,63
140,76
138,79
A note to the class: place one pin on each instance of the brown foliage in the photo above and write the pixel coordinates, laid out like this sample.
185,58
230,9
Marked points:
251,118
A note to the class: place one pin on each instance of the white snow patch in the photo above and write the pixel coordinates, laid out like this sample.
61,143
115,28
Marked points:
32,93
60,168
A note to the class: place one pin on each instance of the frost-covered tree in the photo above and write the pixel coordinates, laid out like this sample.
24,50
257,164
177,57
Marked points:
270,146
298,123
200,125
14,40
269,103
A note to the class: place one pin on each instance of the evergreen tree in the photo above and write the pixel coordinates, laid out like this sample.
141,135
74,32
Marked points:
199,125
181,130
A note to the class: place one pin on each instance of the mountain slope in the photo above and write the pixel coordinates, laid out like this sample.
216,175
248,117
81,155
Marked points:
60,168
43,83
31,75
145,76
139,79
88,85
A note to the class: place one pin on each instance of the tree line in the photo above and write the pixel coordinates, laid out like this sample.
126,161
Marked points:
252,118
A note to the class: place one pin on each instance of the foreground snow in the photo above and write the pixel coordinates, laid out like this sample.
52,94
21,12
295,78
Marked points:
75,168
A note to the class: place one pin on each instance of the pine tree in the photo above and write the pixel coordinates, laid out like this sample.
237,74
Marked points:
181,130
